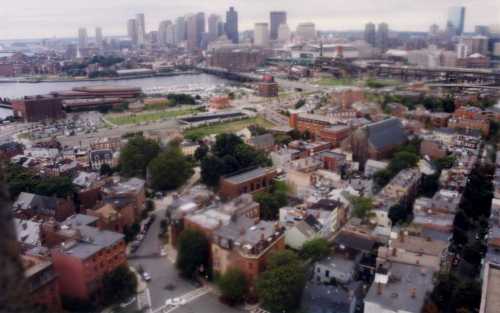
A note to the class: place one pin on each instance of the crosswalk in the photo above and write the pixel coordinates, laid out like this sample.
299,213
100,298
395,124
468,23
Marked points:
185,298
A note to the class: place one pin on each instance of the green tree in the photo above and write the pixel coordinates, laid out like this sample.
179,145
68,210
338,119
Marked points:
399,214
59,186
280,287
119,285
212,168
233,286
445,163
105,170
170,170
361,206
403,160
315,249
226,144
192,252
136,155
271,201
201,152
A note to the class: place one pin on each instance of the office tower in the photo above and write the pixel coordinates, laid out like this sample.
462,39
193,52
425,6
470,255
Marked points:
306,31
456,21
98,37
162,33
261,34
434,30
475,44
284,33
232,25
195,30
213,26
277,18
141,23
382,40
170,35
132,31
83,39
370,33
180,29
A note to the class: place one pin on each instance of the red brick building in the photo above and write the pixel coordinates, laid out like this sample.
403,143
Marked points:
251,181
467,117
38,108
335,134
42,282
268,87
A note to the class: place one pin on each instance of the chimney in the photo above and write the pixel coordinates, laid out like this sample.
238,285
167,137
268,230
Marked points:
380,289
394,251
242,231
262,237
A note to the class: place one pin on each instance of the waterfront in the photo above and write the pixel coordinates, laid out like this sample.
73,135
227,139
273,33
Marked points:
170,83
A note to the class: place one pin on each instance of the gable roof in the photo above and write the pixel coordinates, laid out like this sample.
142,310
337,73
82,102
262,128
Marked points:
36,203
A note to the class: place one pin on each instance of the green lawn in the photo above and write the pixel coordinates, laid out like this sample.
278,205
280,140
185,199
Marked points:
328,81
148,117
228,127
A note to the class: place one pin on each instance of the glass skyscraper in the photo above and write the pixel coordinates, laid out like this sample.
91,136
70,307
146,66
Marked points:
456,20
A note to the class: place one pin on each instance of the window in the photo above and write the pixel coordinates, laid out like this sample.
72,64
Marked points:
327,273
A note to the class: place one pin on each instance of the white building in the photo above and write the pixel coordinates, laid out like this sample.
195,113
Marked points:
306,31
284,33
261,34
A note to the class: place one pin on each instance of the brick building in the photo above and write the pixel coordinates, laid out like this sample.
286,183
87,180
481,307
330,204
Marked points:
42,282
251,181
246,245
335,134
268,87
38,108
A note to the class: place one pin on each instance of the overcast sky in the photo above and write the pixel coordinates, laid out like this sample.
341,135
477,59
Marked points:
62,18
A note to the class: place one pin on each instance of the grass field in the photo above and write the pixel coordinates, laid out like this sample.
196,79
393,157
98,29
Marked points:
228,127
327,81
148,117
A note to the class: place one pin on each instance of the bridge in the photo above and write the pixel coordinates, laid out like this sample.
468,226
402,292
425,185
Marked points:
477,77
226,74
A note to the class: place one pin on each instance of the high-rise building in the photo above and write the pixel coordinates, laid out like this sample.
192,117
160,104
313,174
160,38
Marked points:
141,23
162,32
475,44
83,39
170,35
276,18
261,34
232,25
180,29
456,20
382,40
306,31
132,31
213,26
434,30
370,33
284,33
98,37
195,30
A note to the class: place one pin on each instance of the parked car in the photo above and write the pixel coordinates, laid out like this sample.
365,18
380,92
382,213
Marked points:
175,301
146,276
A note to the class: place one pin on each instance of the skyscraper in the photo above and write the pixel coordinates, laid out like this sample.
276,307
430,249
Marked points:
162,33
213,26
98,37
141,23
232,25
180,29
456,20
284,33
132,31
276,18
370,33
261,34
170,34
306,31
195,29
382,40
83,39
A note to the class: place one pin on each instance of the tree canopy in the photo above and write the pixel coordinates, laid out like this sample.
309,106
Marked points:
119,285
192,252
271,201
361,206
315,249
233,286
280,287
136,155
170,169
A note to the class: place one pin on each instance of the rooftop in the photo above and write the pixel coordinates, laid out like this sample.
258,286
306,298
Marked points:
249,175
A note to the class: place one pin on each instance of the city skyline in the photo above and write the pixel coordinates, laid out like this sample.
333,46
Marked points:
31,20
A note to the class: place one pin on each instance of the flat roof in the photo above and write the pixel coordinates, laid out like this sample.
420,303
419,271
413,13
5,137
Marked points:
243,177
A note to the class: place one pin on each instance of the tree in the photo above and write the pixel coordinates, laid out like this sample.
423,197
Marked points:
382,178
59,186
280,287
192,252
271,201
105,170
201,152
315,249
445,163
398,214
233,286
403,160
226,144
361,206
170,170
211,169
119,285
136,155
